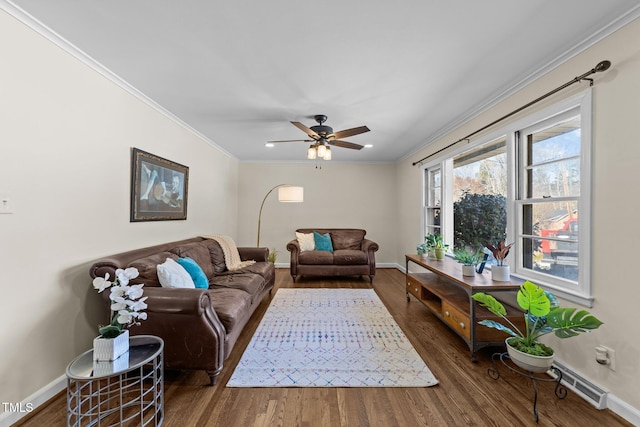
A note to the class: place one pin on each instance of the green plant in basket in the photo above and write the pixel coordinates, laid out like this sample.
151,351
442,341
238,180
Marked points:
542,316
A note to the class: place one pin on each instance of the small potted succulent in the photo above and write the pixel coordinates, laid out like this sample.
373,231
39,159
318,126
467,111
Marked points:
500,272
469,259
542,315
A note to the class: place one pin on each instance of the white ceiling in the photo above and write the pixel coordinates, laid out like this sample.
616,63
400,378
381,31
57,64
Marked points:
239,71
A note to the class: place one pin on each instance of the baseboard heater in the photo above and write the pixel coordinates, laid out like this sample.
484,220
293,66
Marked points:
581,386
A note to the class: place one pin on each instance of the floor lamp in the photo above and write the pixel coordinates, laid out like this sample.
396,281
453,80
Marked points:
286,193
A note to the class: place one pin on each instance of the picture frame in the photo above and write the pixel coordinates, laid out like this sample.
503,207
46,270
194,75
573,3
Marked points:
159,188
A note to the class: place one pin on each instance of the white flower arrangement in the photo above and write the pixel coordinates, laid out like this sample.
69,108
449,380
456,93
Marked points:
127,302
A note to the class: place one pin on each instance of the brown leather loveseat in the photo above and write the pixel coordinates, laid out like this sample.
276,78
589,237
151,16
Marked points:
199,326
352,254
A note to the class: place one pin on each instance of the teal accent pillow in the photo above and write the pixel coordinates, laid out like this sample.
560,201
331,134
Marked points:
196,273
323,241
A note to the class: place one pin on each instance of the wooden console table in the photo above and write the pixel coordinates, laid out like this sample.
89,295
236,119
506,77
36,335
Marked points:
448,295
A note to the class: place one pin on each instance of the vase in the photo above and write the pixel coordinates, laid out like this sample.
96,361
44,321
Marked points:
107,349
439,253
468,270
500,273
108,367
529,362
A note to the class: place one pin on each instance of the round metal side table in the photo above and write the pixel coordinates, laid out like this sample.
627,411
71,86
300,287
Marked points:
126,391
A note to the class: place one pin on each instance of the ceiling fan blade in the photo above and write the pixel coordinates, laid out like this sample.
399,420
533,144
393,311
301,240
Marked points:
349,132
346,144
306,130
293,140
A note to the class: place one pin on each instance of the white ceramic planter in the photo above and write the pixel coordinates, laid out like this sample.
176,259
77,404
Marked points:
468,270
106,349
500,273
529,362
107,367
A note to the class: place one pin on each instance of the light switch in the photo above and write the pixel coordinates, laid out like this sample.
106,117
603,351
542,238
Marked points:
6,207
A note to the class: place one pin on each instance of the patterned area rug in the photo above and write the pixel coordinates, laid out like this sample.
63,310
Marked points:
329,338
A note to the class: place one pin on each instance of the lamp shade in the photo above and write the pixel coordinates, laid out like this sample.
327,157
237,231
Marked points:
311,153
291,194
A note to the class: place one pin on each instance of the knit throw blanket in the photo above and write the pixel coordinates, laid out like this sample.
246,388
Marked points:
230,251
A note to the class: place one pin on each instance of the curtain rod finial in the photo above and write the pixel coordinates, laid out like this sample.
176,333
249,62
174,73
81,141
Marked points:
602,66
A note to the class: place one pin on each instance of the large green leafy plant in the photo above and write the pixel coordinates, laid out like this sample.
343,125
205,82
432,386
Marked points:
542,316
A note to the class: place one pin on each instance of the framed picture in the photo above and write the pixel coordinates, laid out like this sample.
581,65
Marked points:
158,188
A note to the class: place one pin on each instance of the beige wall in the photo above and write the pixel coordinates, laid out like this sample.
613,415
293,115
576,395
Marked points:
340,195
616,163
66,134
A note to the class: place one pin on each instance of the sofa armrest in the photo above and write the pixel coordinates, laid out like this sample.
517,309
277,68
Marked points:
369,246
256,254
177,300
294,247
193,334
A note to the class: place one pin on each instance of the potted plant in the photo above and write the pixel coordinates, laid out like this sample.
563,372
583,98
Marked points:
427,248
440,247
127,309
273,256
500,272
468,259
542,316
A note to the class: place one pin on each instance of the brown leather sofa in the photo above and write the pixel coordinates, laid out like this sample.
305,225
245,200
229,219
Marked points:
199,326
352,255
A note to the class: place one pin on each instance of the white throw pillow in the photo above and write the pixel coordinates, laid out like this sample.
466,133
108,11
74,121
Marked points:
306,241
173,275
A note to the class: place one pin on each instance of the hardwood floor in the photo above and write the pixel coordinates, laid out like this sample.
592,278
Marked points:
466,395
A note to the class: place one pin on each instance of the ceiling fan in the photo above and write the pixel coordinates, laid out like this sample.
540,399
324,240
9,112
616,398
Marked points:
323,136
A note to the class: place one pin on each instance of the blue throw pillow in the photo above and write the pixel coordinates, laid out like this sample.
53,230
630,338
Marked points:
196,273
323,241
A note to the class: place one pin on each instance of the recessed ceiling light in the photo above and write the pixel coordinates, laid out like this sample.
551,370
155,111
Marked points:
368,146
268,144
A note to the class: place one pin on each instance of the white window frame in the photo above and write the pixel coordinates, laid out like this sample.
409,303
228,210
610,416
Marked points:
580,292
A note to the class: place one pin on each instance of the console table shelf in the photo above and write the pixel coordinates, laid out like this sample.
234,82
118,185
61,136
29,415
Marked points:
448,295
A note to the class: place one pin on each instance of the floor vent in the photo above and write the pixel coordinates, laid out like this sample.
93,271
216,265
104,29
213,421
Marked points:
584,388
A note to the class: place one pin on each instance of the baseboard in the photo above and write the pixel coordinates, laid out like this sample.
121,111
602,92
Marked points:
33,402
378,265
623,409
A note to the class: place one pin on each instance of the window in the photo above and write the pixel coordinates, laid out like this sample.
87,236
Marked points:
479,195
549,194
432,201
527,183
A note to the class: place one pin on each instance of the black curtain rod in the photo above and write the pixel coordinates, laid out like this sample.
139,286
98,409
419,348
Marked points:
602,66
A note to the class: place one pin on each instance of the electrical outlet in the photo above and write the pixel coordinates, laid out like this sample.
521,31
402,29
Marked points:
606,356
6,207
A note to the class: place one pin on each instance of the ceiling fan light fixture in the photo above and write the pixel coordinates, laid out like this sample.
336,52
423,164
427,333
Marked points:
311,153
327,154
322,149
